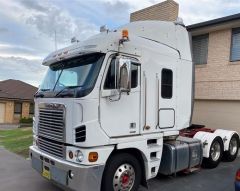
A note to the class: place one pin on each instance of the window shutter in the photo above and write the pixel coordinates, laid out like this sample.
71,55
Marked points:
235,51
200,49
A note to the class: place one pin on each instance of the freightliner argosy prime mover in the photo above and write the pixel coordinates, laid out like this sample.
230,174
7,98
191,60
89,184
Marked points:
115,110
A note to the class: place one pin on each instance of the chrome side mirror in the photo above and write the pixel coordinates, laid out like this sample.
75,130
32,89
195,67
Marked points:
123,74
122,78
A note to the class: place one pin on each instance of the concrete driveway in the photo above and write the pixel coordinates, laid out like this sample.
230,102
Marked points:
16,174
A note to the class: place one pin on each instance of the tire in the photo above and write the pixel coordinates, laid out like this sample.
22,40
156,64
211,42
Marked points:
215,154
233,149
122,173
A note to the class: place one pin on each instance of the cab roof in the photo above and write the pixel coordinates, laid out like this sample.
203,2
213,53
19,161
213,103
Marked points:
169,34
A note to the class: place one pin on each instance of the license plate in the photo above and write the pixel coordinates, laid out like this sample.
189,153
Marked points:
46,173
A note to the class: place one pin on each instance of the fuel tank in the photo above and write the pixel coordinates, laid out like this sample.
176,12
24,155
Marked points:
181,154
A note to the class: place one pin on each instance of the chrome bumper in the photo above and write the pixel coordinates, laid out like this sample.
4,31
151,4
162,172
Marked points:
86,178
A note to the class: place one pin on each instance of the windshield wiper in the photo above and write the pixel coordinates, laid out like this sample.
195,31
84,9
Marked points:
39,94
58,77
66,88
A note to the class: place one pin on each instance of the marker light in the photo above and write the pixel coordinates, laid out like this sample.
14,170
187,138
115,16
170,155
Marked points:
125,34
93,157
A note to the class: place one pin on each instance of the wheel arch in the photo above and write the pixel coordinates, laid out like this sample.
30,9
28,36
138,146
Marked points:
139,155
207,140
226,137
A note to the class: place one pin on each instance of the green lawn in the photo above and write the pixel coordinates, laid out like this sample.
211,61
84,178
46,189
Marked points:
17,140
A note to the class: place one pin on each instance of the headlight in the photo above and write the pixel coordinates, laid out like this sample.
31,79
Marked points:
79,156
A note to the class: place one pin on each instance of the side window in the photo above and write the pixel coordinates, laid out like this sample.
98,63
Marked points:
134,75
110,82
110,79
167,84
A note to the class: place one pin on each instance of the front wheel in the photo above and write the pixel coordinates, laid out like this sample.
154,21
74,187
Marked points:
215,154
122,173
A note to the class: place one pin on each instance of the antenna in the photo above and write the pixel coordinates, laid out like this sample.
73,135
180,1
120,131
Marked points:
104,28
55,34
74,39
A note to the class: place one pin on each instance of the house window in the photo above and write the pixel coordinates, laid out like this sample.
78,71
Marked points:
167,84
17,108
200,49
235,49
31,109
110,82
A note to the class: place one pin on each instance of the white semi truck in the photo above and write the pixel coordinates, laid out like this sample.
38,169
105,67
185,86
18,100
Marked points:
115,110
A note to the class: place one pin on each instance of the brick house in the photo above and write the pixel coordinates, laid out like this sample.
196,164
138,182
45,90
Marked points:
216,54
16,101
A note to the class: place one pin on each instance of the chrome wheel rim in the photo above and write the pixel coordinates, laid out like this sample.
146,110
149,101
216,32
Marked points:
215,151
124,178
233,146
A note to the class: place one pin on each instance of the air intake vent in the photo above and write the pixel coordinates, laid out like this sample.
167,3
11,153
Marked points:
80,134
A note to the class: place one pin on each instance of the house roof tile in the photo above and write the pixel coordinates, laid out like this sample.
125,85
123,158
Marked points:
15,89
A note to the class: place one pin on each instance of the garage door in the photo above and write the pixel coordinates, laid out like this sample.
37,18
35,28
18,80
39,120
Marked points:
217,114
2,112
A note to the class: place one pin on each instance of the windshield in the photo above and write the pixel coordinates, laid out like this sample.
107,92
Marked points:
80,73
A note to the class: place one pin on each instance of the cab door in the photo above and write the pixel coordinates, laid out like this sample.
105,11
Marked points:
120,112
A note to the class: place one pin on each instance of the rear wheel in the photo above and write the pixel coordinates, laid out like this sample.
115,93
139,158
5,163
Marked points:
215,154
122,173
232,152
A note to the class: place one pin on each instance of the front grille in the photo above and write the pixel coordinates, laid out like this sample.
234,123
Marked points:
51,123
51,147
80,134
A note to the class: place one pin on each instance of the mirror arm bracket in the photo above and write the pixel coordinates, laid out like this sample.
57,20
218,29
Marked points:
119,97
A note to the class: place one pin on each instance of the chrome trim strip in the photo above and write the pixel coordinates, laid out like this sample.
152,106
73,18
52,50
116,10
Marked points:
145,100
158,103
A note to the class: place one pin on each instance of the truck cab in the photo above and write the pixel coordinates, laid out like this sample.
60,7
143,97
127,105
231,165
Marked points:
107,104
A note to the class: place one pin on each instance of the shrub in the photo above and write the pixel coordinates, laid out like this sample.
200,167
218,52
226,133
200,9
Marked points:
26,120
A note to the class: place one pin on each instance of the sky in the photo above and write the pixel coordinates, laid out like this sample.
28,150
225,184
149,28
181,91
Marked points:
28,27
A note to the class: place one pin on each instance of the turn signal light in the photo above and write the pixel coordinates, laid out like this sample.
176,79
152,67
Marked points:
125,34
93,157
238,175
